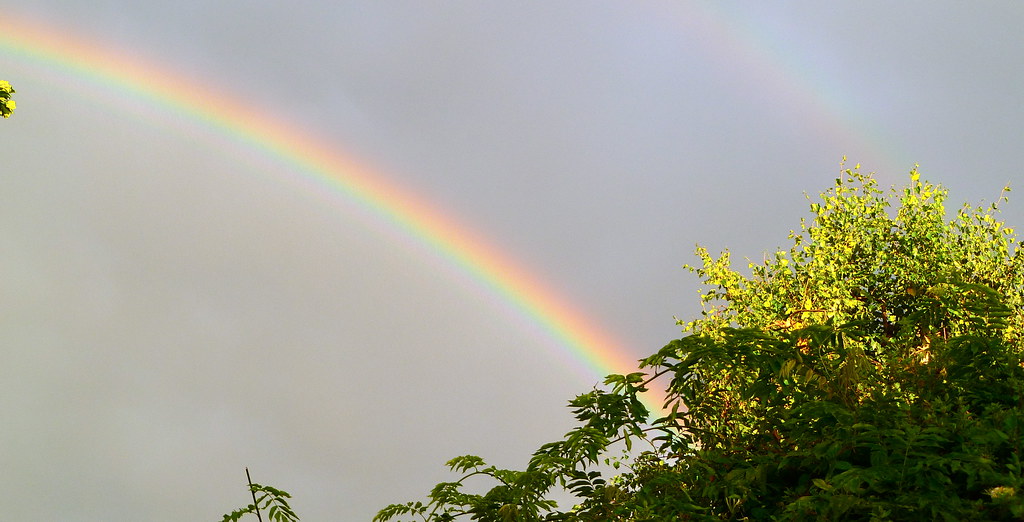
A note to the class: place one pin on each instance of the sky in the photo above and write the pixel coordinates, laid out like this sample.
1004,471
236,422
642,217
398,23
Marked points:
183,296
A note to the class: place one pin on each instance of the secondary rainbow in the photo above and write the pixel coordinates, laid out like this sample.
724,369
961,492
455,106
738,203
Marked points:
113,71
746,42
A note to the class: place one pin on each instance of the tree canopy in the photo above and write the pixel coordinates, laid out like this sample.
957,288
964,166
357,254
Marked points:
871,371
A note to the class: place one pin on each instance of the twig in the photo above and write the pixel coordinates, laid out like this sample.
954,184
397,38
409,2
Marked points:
253,491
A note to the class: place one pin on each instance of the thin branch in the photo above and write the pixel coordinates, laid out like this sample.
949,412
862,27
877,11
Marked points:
654,376
255,504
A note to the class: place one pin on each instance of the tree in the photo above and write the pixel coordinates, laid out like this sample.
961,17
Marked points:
872,371
7,105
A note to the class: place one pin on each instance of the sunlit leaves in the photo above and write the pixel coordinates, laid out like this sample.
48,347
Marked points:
892,321
7,105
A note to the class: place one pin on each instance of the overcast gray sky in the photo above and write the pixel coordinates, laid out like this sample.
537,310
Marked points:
174,308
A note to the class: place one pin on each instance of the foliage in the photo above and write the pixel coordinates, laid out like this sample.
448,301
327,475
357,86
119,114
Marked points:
872,371
7,105
265,499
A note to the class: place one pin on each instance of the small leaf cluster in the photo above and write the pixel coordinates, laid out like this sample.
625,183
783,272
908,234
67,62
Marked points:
606,418
7,105
872,371
269,500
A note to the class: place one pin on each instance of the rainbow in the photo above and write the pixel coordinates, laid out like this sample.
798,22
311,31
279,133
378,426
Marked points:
747,43
115,73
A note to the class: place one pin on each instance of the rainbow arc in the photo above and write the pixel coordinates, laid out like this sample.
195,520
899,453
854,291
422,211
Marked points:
114,74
